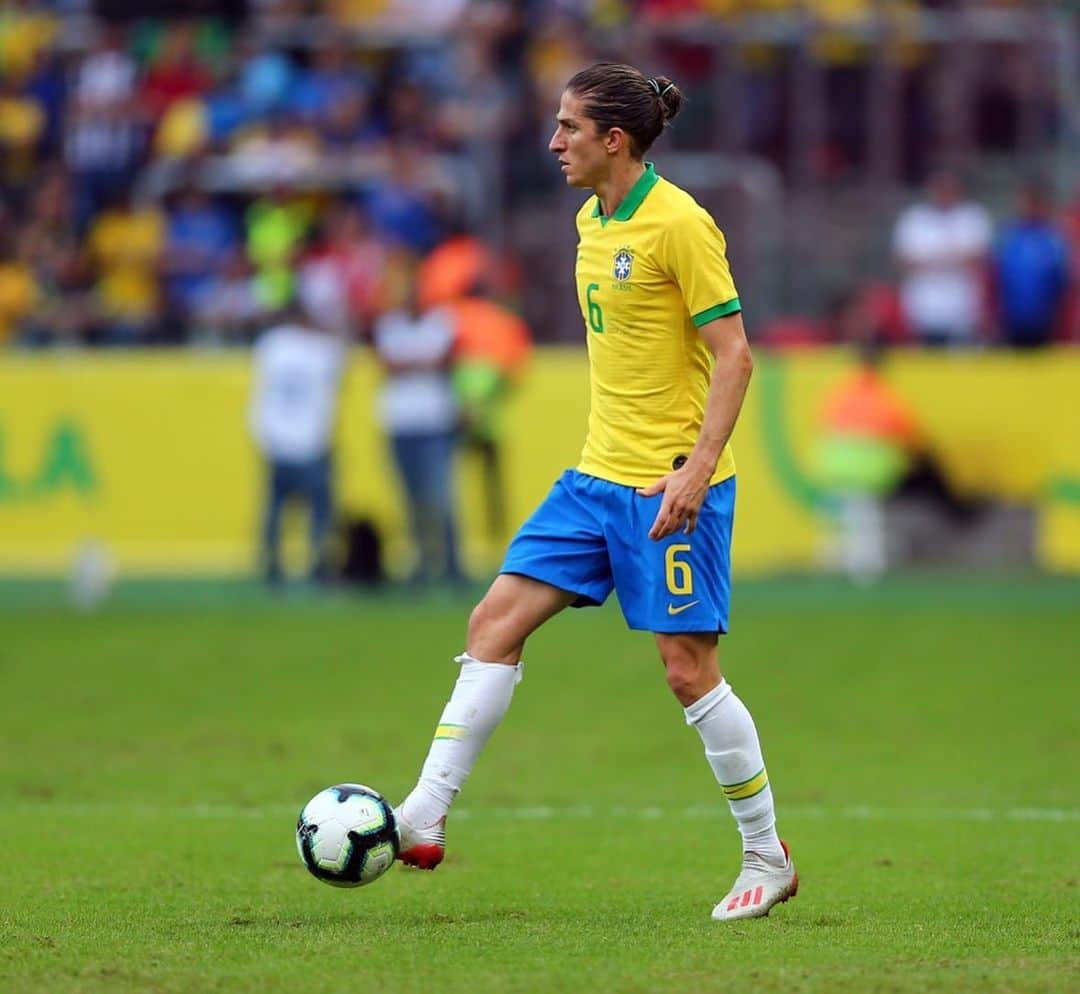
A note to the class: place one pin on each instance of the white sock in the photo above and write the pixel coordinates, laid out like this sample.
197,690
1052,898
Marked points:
480,698
734,753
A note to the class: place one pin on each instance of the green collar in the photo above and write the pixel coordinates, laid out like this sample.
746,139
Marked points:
633,200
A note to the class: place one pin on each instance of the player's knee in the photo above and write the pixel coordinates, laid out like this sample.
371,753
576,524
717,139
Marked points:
682,678
481,620
487,636
691,672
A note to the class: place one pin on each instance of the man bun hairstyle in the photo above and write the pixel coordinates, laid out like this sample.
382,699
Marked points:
671,98
619,96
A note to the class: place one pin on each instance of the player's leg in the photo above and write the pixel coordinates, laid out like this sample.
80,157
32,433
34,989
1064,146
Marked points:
320,497
733,751
678,588
513,608
409,457
276,492
729,735
558,558
441,488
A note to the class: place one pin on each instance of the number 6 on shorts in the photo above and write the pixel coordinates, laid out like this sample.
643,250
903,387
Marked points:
679,578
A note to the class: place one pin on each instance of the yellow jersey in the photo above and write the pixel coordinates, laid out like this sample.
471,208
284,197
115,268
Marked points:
647,278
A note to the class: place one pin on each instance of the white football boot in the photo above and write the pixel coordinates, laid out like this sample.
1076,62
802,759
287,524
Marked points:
758,888
423,848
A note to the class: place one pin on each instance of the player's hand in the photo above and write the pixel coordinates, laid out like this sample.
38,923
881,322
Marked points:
684,492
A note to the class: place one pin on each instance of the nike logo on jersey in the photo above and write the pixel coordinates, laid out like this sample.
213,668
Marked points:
672,609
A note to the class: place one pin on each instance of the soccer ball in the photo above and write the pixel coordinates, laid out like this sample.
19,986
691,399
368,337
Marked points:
347,835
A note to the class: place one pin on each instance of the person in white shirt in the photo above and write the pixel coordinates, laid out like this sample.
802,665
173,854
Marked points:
417,409
294,406
942,246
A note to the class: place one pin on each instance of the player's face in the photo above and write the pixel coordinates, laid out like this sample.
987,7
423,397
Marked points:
579,147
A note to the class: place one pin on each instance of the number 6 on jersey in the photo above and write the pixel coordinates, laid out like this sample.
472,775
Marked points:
596,315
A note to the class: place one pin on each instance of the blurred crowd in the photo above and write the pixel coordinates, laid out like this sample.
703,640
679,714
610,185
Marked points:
110,233
962,281
178,180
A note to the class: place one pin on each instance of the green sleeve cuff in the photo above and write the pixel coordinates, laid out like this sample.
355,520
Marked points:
719,311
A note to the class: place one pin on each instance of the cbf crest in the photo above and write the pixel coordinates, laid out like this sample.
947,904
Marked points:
624,264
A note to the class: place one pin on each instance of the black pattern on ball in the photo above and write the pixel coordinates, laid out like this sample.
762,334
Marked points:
359,844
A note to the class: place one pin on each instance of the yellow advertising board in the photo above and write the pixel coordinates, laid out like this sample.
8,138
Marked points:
148,454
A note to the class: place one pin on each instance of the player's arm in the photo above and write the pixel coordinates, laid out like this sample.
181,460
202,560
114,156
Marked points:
685,489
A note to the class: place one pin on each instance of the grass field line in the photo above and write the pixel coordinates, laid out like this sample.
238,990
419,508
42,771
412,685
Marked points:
543,812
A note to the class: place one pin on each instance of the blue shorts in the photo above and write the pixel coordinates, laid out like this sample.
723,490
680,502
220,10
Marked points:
590,536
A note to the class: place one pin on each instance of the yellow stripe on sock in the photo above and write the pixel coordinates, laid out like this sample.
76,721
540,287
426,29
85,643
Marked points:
748,788
456,732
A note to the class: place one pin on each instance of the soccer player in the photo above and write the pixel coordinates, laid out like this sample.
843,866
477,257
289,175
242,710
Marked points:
648,511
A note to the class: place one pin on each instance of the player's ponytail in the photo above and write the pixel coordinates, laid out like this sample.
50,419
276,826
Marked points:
620,96
669,95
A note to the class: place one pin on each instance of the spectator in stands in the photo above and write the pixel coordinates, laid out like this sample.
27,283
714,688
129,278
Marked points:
202,237
400,208
266,79
277,226
46,83
126,244
183,131
333,98
347,124
175,72
107,76
330,80
227,110
230,311
54,252
278,151
106,133
294,405
348,255
26,30
405,115
22,126
417,410
476,103
19,291
941,245
1031,272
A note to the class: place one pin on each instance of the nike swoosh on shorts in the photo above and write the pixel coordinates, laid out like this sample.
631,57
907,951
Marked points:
672,609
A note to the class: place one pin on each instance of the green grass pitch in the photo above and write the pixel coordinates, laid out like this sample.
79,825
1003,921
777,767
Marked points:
921,737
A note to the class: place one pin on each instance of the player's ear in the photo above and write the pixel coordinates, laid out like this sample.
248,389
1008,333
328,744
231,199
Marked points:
615,139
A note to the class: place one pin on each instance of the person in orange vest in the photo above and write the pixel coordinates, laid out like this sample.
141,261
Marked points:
491,347
870,442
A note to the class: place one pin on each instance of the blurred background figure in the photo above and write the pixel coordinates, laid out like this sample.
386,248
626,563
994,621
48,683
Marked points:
201,239
417,410
346,269
276,226
126,243
19,291
61,269
491,349
106,127
230,310
492,346
869,441
1031,269
941,245
296,382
